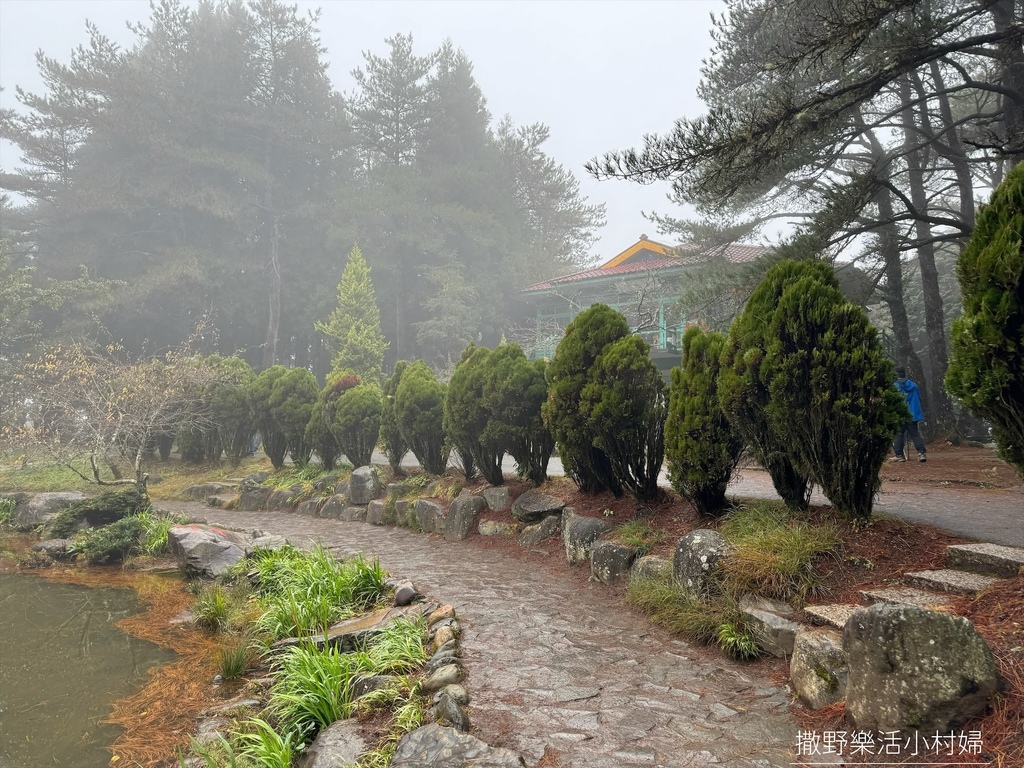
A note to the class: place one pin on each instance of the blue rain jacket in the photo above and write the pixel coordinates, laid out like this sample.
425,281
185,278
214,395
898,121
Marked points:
913,397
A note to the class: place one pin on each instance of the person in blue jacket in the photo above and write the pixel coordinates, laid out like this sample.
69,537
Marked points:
913,397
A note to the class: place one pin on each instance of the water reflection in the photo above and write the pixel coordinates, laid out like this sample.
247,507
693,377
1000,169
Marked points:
62,665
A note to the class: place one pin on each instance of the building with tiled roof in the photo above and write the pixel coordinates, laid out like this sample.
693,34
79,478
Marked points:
643,282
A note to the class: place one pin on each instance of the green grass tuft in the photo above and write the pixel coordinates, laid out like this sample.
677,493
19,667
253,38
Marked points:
638,533
776,551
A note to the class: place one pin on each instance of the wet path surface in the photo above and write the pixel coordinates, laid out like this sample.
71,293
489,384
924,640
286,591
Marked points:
555,663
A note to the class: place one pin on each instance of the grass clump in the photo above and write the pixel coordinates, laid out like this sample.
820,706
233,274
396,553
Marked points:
214,608
717,621
776,551
302,593
639,534
235,657
7,511
267,747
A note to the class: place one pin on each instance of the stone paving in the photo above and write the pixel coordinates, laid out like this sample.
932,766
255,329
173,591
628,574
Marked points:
553,663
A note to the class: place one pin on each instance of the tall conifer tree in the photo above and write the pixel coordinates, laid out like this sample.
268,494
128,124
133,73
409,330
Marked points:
354,326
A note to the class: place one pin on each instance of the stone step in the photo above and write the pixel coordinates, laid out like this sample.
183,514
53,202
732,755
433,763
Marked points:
987,559
904,596
946,580
833,615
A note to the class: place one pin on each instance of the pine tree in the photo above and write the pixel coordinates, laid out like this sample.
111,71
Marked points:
986,370
354,326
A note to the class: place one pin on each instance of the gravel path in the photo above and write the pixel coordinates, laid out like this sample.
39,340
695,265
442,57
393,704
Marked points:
553,663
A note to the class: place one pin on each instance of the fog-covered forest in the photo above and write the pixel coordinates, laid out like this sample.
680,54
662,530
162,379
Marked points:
212,169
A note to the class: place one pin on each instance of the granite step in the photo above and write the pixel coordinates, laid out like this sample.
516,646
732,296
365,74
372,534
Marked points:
904,596
946,580
832,615
987,559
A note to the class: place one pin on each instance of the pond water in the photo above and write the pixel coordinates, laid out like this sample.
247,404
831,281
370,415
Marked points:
63,664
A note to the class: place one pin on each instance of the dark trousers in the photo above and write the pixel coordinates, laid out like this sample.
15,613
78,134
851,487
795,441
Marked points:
910,428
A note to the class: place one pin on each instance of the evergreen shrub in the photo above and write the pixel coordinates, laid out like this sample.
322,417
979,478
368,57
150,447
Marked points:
291,405
584,340
831,394
419,408
259,392
623,405
392,442
467,415
515,390
701,445
355,422
986,367
742,384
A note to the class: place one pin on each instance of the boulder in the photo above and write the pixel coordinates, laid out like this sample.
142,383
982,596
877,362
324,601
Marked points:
341,487
310,507
818,668
253,481
334,506
915,669
203,491
262,540
55,548
375,512
326,483
406,593
696,558
364,486
579,534
285,499
498,497
449,674
428,514
353,514
434,745
252,498
652,567
206,551
535,505
339,744
610,561
771,620
40,508
497,528
532,535
462,514
447,711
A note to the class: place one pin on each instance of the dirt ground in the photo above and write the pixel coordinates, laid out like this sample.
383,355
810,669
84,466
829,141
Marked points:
951,466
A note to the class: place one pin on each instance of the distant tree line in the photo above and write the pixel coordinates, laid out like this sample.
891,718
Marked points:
211,169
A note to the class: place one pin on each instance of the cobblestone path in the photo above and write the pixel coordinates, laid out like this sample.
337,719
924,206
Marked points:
553,663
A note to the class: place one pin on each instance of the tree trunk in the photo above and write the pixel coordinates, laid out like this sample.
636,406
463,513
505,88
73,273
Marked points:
1010,56
888,240
934,316
273,268
274,296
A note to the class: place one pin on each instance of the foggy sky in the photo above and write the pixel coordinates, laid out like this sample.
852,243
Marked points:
600,74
